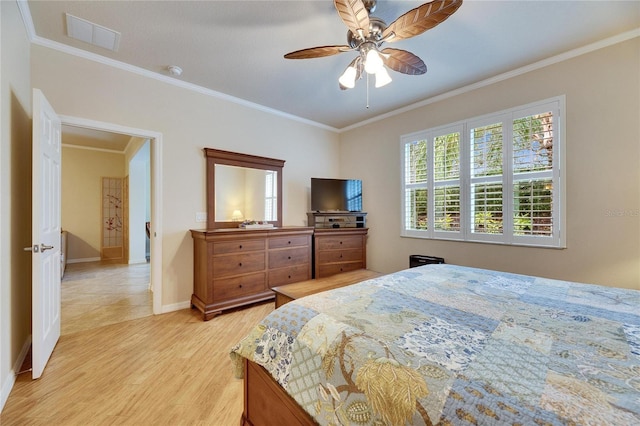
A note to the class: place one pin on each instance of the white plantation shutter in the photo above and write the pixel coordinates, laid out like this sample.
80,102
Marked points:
446,214
534,174
533,210
486,145
445,145
415,182
494,178
487,208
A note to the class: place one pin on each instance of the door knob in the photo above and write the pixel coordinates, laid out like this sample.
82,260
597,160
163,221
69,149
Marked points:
38,248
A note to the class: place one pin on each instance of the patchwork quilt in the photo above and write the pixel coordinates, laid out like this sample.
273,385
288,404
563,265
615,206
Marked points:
444,344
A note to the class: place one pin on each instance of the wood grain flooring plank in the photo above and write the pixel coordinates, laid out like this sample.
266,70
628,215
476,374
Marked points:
171,369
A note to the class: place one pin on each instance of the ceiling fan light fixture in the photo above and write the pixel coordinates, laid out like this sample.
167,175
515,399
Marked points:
382,77
366,34
348,78
373,61
353,72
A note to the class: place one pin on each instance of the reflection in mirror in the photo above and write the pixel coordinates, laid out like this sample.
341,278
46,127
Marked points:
245,194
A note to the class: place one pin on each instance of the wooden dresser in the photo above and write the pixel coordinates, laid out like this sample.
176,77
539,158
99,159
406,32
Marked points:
339,250
235,267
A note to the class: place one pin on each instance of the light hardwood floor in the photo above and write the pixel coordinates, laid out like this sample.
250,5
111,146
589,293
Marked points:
170,369
94,294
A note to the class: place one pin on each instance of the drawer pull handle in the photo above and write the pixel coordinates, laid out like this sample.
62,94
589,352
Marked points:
240,245
288,242
240,286
289,276
289,257
240,264
340,242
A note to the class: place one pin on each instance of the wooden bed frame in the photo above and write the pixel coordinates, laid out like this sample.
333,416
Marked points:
266,403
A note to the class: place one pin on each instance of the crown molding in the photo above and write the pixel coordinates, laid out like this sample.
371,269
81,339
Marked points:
170,80
504,76
35,39
25,12
40,41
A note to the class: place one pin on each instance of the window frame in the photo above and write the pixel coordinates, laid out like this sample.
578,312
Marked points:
508,178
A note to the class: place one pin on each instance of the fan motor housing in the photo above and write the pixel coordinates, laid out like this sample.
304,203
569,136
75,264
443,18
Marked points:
376,28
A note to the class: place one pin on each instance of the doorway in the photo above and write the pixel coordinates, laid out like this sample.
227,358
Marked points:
155,194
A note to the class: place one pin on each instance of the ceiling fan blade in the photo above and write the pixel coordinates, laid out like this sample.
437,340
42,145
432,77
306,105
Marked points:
418,20
354,15
317,52
403,61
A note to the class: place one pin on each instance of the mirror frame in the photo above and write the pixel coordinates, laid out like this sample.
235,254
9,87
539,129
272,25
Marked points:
216,156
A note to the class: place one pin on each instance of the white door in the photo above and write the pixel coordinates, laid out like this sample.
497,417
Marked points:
46,225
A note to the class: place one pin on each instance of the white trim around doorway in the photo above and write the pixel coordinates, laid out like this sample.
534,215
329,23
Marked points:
156,194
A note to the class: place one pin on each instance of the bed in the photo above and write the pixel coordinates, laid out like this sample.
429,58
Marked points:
445,344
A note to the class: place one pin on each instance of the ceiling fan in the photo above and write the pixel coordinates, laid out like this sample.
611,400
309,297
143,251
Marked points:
366,34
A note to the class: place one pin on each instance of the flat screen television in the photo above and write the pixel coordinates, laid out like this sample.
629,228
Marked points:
340,195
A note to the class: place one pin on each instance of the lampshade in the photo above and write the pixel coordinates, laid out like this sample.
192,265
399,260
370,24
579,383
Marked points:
236,216
348,78
382,77
373,62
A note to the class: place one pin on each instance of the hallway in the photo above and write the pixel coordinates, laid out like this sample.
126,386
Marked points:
95,294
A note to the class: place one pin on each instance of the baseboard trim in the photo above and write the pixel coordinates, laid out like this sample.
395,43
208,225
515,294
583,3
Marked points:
11,377
175,307
83,260
22,356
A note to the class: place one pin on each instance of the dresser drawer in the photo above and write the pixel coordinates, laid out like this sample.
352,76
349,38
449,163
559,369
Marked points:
339,242
233,267
288,257
224,266
331,256
289,275
246,285
241,246
336,268
291,241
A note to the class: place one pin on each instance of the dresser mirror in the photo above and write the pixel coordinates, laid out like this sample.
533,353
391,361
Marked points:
242,187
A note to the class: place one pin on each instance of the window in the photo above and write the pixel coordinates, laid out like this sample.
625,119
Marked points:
494,178
271,195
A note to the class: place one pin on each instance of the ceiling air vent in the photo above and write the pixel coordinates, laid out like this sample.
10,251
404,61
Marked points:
95,34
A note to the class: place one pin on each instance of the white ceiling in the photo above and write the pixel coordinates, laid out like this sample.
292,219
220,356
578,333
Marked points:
237,47
94,139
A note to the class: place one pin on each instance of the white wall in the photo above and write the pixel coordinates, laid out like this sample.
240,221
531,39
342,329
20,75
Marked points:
139,150
82,173
138,199
15,194
602,91
188,121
